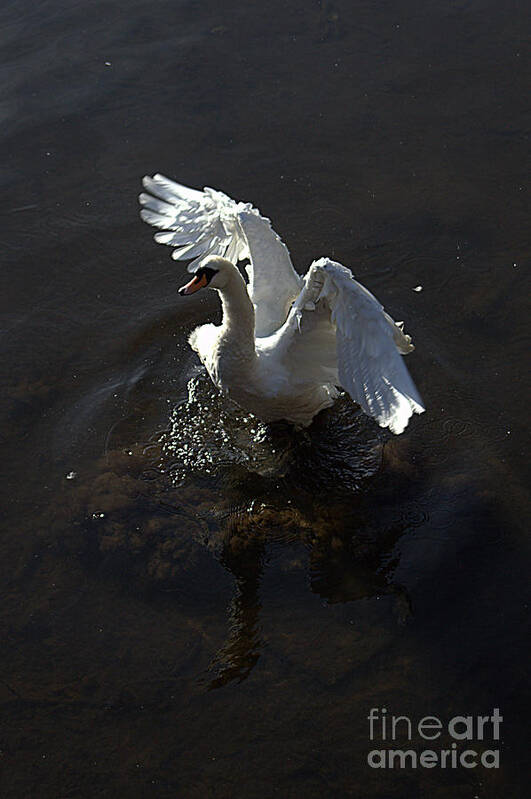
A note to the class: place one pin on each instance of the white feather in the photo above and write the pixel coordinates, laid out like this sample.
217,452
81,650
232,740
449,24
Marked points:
286,343
207,223
367,341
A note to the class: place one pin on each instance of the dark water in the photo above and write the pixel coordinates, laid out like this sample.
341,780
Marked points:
193,604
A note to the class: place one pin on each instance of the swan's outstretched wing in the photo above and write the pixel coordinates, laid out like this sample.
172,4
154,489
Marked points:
208,222
366,360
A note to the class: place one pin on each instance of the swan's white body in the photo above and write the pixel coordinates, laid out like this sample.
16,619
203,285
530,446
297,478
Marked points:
286,342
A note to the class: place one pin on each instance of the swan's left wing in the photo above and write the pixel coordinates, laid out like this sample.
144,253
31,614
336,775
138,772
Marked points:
366,360
208,222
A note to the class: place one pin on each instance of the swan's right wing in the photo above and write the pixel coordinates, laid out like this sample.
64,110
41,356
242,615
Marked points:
208,222
367,358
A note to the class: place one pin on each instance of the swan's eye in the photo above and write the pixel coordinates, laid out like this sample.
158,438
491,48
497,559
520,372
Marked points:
207,272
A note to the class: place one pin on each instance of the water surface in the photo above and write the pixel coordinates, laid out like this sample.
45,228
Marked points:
195,604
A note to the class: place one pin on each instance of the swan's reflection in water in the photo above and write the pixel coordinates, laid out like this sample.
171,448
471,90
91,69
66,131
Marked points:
240,653
339,579
273,485
198,514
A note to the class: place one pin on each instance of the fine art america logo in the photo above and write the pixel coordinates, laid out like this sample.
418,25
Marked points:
465,731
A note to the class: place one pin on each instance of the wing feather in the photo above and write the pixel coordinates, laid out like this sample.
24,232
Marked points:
273,282
367,360
369,343
201,223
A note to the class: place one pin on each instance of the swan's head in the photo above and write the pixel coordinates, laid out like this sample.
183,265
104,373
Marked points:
214,273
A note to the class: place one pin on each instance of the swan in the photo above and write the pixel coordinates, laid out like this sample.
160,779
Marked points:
287,343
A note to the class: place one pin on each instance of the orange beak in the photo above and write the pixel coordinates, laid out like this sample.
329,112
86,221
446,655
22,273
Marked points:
194,285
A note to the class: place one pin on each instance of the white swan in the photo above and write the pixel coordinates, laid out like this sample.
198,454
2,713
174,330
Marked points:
286,342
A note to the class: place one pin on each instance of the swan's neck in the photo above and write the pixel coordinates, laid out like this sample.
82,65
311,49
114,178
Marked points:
237,329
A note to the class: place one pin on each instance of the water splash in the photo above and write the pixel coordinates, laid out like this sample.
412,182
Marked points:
209,434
